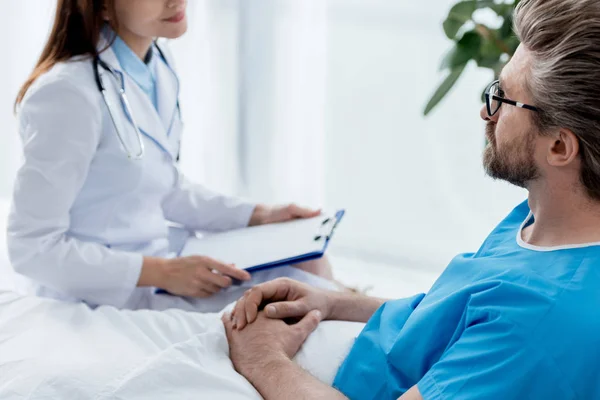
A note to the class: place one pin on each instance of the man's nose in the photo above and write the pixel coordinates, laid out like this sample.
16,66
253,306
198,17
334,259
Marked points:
483,113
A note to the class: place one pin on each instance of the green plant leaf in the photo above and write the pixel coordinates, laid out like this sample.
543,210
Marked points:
462,12
487,50
506,30
444,88
452,25
502,9
459,15
467,48
512,43
455,57
491,63
489,55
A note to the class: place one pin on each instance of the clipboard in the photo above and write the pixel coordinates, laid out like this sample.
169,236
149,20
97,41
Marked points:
268,246
264,247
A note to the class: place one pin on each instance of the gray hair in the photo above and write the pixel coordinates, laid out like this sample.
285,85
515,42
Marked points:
564,81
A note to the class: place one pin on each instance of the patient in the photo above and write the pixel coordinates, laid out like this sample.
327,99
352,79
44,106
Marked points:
521,317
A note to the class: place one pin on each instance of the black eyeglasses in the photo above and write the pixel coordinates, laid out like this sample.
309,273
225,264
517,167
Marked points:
494,97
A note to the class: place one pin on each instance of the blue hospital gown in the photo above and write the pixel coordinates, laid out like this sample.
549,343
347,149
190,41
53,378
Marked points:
509,322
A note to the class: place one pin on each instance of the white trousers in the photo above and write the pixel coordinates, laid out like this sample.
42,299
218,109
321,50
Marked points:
148,299
217,302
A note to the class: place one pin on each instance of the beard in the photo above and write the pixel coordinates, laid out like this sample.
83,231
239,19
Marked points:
514,162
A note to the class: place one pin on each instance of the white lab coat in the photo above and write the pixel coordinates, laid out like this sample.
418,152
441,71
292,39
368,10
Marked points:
83,214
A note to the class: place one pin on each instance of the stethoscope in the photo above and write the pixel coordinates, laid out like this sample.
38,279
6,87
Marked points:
118,75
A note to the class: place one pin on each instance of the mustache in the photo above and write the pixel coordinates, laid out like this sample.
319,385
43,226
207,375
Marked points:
490,130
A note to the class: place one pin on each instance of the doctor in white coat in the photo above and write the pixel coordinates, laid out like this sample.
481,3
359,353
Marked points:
99,184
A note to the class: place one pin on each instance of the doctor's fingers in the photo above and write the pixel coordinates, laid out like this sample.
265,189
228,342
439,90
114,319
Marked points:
224,269
209,277
302,212
230,270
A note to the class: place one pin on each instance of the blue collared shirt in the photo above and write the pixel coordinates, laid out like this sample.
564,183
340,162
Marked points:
144,74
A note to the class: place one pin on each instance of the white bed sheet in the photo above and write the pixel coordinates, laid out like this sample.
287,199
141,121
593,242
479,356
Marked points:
58,350
54,350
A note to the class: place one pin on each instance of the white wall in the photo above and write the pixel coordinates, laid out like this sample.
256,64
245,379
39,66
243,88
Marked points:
283,64
207,62
414,188
24,30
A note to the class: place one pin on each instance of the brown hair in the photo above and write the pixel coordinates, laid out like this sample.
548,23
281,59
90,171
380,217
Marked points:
76,32
564,80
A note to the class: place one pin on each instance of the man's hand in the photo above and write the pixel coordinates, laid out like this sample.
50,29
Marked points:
267,342
263,215
286,298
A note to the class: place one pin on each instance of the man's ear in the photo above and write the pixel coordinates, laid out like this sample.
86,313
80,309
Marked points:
563,149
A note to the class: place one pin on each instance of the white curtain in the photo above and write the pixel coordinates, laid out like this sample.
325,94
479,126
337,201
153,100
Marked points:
207,63
253,97
284,66
24,27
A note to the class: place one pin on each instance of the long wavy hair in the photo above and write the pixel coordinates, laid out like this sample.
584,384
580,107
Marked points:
76,32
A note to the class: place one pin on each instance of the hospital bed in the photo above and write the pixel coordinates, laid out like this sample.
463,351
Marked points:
57,350
54,350
50,349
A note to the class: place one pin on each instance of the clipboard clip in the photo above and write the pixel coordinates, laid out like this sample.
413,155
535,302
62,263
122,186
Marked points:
327,228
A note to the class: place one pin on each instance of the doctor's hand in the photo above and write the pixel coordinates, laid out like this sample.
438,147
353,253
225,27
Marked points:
281,299
198,276
263,214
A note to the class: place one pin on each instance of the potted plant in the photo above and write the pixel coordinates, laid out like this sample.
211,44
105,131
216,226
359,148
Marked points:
490,47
